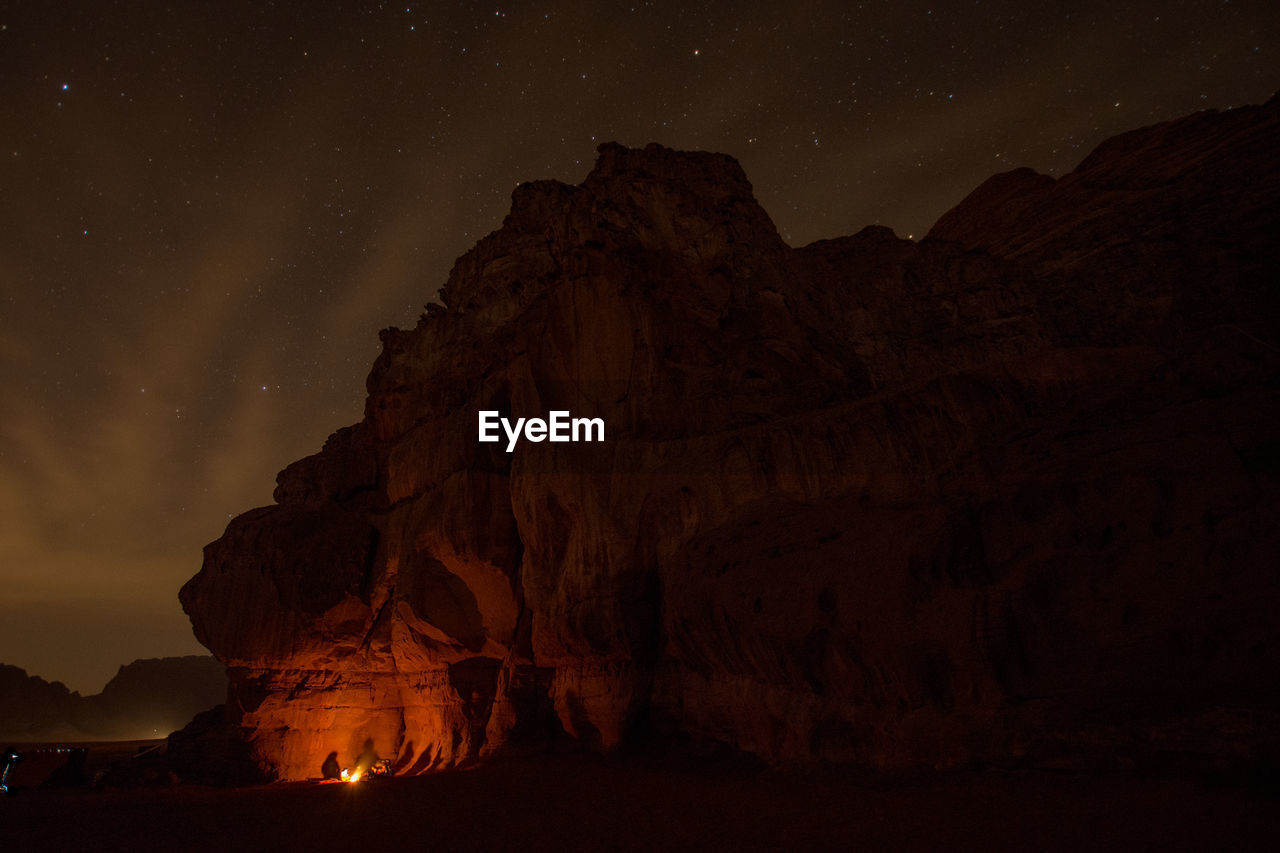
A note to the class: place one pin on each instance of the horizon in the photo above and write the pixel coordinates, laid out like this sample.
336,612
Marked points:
116,674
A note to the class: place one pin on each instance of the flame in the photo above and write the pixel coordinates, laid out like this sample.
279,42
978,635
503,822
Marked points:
355,776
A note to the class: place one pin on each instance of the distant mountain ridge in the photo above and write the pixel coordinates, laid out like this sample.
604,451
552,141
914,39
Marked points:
146,699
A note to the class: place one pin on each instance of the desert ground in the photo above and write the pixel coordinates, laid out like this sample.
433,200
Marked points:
646,802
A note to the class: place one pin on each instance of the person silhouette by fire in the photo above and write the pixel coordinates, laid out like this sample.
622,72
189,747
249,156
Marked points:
330,769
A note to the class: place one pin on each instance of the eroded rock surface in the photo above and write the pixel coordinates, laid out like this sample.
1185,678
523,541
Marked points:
1008,492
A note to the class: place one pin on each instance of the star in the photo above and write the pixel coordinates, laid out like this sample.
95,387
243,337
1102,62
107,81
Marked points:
830,115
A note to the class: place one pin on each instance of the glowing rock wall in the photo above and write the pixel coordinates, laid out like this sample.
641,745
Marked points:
1006,493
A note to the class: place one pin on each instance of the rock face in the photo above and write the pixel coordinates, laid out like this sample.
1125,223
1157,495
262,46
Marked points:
1006,493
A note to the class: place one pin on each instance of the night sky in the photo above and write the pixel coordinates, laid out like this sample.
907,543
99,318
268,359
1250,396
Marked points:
208,210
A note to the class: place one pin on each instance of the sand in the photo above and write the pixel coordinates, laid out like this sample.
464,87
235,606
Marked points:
635,803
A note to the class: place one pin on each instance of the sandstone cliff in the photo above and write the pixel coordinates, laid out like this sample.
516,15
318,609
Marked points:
1006,492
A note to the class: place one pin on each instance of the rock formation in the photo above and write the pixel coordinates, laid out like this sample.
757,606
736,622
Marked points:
1008,493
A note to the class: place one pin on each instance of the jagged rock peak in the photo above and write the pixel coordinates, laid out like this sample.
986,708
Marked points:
697,206
1178,162
709,175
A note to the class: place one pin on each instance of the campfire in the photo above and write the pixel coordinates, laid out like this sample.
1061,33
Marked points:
381,767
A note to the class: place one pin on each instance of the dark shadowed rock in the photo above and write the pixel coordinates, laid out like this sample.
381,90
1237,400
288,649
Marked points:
209,750
1005,494
29,705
